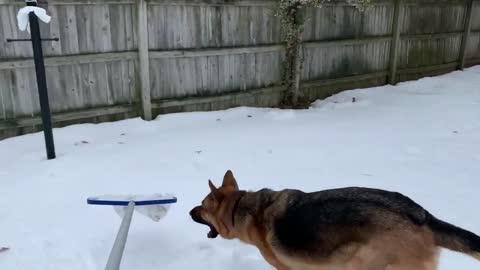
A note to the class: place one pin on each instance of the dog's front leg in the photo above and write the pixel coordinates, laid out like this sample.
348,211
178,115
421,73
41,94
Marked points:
270,257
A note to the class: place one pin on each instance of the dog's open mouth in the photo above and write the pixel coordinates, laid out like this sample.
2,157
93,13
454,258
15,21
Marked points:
195,214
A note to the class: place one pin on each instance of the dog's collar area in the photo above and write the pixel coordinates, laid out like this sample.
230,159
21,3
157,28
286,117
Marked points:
235,206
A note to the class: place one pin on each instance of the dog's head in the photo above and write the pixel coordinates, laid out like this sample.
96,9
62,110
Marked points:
215,205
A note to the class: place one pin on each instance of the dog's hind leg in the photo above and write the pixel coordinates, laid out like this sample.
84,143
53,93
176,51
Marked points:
367,259
429,264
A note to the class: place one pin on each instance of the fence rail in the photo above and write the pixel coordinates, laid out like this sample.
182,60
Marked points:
125,58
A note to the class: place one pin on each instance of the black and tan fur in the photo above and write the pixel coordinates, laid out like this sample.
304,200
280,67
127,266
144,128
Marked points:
339,229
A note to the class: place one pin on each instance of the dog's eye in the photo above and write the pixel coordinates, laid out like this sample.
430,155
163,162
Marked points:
210,203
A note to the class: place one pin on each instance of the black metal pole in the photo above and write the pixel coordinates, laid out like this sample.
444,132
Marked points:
29,39
41,82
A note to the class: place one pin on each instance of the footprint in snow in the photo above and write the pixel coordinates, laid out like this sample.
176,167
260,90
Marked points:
81,142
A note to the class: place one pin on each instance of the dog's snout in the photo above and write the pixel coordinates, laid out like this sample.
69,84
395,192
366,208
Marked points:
196,216
195,211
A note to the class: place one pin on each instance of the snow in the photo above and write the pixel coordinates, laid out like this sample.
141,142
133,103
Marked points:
23,20
420,138
153,211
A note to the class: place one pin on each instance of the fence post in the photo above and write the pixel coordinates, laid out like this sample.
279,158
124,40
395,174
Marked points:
144,65
466,34
298,59
297,74
395,43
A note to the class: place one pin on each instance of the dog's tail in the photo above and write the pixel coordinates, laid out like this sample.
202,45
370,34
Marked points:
454,238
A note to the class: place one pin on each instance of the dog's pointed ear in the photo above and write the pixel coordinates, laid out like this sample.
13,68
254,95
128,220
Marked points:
214,190
229,180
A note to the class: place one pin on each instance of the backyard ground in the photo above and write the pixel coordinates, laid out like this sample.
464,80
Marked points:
420,138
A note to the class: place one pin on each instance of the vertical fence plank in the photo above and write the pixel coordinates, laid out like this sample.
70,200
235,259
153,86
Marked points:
297,60
466,33
144,72
298,74
395,43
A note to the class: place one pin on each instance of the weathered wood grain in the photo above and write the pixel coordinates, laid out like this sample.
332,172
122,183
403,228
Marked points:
420,53
66,60
394,44
473,46
209,48
81,86
476,17
348,60
143,63
82,29
466,33
433,18
314,90
195,27
343,22
208,75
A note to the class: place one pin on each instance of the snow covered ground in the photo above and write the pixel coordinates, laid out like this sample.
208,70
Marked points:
420,138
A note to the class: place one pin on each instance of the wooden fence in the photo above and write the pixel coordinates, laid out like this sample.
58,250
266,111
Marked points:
124,58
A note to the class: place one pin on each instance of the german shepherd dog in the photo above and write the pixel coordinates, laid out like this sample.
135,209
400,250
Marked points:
340,229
